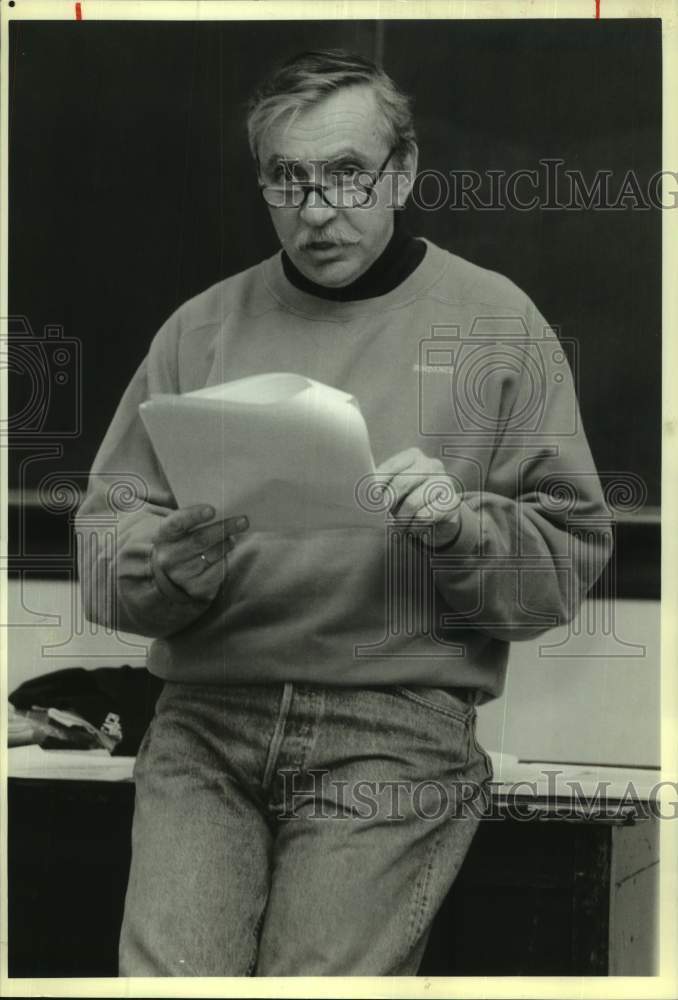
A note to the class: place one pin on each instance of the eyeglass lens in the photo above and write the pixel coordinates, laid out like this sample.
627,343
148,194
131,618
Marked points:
294,195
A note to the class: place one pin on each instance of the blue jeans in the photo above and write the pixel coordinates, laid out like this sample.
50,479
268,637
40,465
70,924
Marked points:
298,830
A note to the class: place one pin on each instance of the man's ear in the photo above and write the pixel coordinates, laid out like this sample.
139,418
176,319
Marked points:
406,173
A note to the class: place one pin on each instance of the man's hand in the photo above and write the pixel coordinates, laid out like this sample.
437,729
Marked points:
420,491
193,557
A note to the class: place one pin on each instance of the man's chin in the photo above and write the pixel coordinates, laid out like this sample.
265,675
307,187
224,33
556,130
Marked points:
330,273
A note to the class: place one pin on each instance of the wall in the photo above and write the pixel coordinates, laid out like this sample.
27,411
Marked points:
597,704
132,189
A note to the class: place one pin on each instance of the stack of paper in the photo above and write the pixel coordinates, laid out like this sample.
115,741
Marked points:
288,452
69,765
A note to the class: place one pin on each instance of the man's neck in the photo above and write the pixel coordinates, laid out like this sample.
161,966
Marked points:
401,255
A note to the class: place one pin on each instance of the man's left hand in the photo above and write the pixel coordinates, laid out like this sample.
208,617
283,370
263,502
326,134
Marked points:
420,492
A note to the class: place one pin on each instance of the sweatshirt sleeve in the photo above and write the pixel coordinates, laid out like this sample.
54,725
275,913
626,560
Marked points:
126,500
536,535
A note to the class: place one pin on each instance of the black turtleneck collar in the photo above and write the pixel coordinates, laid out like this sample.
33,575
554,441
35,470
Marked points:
399,258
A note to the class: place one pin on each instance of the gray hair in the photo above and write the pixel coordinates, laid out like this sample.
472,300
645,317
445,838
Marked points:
309,77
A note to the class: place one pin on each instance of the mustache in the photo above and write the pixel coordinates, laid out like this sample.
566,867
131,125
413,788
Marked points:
329,235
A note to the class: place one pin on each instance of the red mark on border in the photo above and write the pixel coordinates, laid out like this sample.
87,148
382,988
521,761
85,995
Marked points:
597,10
78,11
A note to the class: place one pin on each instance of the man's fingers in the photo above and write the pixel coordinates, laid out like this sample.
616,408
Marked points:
400,475
181,558
386,482
397,463
196,538
234,525
207,582
201,539
179,522
402,486
200,563
410,499
430,499
201,573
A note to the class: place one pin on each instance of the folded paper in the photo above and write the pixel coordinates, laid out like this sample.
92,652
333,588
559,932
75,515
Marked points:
287,451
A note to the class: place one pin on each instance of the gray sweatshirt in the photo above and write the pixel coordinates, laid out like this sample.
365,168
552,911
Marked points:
455,361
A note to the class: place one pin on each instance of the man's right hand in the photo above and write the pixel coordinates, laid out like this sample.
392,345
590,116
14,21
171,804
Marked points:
194,557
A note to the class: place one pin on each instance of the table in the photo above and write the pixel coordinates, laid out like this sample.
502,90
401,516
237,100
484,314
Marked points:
571,891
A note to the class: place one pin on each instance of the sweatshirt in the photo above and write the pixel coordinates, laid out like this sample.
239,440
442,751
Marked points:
455,361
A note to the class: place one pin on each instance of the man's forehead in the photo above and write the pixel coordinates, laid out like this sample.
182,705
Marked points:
348,121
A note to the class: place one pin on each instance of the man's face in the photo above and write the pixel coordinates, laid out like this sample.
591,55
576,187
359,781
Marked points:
344,133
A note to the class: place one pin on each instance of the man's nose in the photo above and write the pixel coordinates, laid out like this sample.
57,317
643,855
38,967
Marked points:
315,211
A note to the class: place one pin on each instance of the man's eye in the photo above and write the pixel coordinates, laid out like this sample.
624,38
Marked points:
285,174
346,173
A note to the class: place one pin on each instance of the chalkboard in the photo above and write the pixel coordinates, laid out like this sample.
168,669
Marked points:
131,189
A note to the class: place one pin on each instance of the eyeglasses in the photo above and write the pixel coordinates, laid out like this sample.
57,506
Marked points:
349,190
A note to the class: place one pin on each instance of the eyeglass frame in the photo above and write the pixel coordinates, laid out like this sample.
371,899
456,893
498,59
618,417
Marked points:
321,188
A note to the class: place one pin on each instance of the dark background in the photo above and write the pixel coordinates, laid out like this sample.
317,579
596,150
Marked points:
131,190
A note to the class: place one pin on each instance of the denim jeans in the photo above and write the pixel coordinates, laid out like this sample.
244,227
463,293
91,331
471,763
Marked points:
297,829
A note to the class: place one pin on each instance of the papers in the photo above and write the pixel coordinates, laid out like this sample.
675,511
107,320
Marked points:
563,782
71,765
288,452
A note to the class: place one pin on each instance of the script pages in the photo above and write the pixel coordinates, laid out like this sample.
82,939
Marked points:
287,451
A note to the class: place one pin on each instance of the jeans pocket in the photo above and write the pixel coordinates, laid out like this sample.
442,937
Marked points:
446,701
484,762
482,751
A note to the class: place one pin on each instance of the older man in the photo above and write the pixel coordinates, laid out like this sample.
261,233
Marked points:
295,812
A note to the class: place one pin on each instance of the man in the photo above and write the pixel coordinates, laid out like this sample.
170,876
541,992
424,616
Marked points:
321,686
